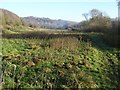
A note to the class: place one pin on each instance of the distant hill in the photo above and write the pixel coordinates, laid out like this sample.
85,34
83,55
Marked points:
9,18
49,23
10,22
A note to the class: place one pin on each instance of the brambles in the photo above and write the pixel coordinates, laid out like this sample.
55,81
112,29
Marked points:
65,62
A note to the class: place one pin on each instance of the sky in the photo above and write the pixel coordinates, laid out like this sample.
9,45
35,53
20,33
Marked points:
59,9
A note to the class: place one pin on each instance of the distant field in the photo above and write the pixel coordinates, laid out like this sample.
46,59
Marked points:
58,59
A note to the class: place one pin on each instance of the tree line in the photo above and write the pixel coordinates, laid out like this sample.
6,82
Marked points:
100,22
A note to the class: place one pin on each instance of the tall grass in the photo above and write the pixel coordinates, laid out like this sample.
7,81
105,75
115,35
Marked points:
65,42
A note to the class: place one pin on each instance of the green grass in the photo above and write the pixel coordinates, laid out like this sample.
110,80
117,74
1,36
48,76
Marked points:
65,62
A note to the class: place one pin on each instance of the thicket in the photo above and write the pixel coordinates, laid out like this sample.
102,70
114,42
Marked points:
98,22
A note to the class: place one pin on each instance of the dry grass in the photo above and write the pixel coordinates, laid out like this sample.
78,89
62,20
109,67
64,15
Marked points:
66,42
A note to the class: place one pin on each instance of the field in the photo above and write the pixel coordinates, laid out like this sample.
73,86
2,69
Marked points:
58,59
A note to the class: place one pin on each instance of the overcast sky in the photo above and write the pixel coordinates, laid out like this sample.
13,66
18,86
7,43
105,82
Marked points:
63,9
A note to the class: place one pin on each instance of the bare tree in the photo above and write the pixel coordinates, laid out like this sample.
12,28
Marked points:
85,15
95,12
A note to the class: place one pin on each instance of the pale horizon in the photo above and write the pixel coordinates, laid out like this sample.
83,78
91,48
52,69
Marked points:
71,11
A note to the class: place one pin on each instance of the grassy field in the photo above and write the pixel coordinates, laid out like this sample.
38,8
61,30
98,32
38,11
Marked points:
58,60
